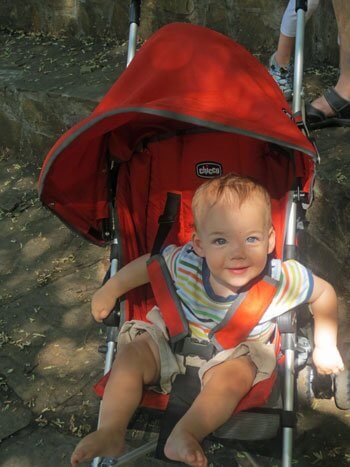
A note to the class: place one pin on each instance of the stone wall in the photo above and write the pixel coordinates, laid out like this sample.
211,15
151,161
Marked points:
31,121
253,23
66,17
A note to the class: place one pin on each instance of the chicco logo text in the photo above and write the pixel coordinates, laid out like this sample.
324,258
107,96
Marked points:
208,169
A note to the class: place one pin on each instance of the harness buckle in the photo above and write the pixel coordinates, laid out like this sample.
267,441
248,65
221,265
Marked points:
192,347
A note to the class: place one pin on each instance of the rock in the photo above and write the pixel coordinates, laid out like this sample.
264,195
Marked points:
326,243
39,447
13,415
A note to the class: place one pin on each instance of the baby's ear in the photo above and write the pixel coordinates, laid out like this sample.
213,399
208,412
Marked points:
272,240
197,244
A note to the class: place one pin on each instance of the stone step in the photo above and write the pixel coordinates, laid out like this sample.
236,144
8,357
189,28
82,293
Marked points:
47,85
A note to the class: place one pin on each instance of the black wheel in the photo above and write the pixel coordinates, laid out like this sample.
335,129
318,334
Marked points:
305,392
322,385
342,390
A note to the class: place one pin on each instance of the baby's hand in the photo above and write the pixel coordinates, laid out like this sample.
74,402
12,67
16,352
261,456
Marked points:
327,360
102,304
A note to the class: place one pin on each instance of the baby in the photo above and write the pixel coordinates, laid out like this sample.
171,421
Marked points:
230,249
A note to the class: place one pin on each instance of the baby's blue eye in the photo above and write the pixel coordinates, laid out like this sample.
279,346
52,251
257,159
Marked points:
219,241
252,239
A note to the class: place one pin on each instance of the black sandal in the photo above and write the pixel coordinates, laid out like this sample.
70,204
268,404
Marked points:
317,119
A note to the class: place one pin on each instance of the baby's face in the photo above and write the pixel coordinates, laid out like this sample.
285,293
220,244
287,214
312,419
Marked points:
235,240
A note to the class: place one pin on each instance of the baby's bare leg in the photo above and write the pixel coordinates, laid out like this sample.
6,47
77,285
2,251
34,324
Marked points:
224,386
136,364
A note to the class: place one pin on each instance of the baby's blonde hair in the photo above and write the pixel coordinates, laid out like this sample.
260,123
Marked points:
228,189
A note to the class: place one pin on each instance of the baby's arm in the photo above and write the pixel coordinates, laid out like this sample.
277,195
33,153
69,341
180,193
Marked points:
323,303
127,278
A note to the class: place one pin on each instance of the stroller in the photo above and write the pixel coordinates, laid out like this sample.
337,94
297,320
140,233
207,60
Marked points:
176,117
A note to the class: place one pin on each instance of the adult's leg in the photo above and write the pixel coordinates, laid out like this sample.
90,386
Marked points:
224,386
342,14
284,50
286,39
280,62
136,364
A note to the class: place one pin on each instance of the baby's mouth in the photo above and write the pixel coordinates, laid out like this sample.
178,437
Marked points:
238,271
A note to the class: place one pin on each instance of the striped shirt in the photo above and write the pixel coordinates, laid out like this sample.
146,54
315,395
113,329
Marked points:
204,309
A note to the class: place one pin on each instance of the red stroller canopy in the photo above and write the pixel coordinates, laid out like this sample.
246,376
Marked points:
183,77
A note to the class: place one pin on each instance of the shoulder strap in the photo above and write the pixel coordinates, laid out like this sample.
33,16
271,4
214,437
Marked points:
166,221
160,278
244,314
167,299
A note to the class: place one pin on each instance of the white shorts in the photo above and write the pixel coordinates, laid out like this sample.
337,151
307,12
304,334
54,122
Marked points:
262,355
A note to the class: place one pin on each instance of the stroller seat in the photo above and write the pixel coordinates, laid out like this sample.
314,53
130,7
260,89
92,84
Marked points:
171,163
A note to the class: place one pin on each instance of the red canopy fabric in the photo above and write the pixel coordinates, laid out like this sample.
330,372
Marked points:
184,76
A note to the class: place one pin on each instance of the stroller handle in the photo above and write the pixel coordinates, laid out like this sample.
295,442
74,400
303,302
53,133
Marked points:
134,22
301,5
135,12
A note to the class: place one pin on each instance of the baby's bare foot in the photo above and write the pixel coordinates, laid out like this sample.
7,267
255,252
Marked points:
183,446
99,443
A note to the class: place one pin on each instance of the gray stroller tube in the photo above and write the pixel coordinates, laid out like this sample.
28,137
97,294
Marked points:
289,351
300,8
112,332
288,341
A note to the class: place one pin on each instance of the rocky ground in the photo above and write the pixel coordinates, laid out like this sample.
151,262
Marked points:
48,342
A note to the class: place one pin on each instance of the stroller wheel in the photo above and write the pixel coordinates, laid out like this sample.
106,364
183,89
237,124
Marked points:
342,390
305,391
322,385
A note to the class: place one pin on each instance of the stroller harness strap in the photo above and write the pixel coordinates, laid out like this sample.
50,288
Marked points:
244,314
240,319
166,220
167,299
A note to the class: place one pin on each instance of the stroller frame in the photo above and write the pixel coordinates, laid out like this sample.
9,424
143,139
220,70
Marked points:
287,322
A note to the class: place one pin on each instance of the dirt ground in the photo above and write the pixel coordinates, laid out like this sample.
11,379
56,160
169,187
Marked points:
48,341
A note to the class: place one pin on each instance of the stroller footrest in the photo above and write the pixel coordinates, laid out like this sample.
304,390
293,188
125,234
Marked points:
255,424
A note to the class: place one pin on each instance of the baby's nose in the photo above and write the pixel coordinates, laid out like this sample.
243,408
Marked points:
237,251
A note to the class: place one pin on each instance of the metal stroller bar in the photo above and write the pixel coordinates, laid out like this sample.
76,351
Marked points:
288,342
300,8
290,337
112,330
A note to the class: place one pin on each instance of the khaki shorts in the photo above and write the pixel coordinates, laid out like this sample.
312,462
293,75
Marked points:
262,355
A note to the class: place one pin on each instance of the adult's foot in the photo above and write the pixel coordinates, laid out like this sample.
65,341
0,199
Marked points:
183,446
282,74
99,443
321,103
333,108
